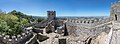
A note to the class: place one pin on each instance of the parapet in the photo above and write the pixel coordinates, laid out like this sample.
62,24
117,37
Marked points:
51,11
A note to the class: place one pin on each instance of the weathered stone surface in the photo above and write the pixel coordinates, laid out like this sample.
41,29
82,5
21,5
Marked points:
62,41
115,37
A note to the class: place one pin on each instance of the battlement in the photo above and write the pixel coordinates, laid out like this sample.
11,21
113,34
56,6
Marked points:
82,21
88,22
51,11
18,39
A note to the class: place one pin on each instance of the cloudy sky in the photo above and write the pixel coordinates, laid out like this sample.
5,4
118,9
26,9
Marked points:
62,7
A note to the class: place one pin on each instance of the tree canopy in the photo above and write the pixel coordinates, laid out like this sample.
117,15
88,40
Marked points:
3,26
10,23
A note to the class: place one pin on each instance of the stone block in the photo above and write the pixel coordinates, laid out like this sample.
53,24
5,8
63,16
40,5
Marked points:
62,41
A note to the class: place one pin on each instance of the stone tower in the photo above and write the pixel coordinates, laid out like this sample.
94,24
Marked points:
51,15
115,11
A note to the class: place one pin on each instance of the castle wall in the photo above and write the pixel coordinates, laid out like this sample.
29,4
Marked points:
83,33
115,11
18,39
88,22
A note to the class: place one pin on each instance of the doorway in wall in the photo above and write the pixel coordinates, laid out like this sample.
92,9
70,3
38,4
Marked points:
115,17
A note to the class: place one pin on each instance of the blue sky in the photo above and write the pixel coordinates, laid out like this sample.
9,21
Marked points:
62,7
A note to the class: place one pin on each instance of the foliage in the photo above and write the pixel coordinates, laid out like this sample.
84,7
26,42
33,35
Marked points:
10,23
23,21
3,27
20,15
10,19
40,19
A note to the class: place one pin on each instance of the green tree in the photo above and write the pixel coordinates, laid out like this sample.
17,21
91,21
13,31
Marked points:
10,19
21,15
4,28
40,19
12,22
23,21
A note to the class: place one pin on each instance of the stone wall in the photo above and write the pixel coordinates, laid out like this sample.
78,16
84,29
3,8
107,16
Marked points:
115,37
18,39
115,11
78,30
88,23
82,35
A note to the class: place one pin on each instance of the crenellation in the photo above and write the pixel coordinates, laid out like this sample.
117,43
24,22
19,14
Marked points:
88,22
14,39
